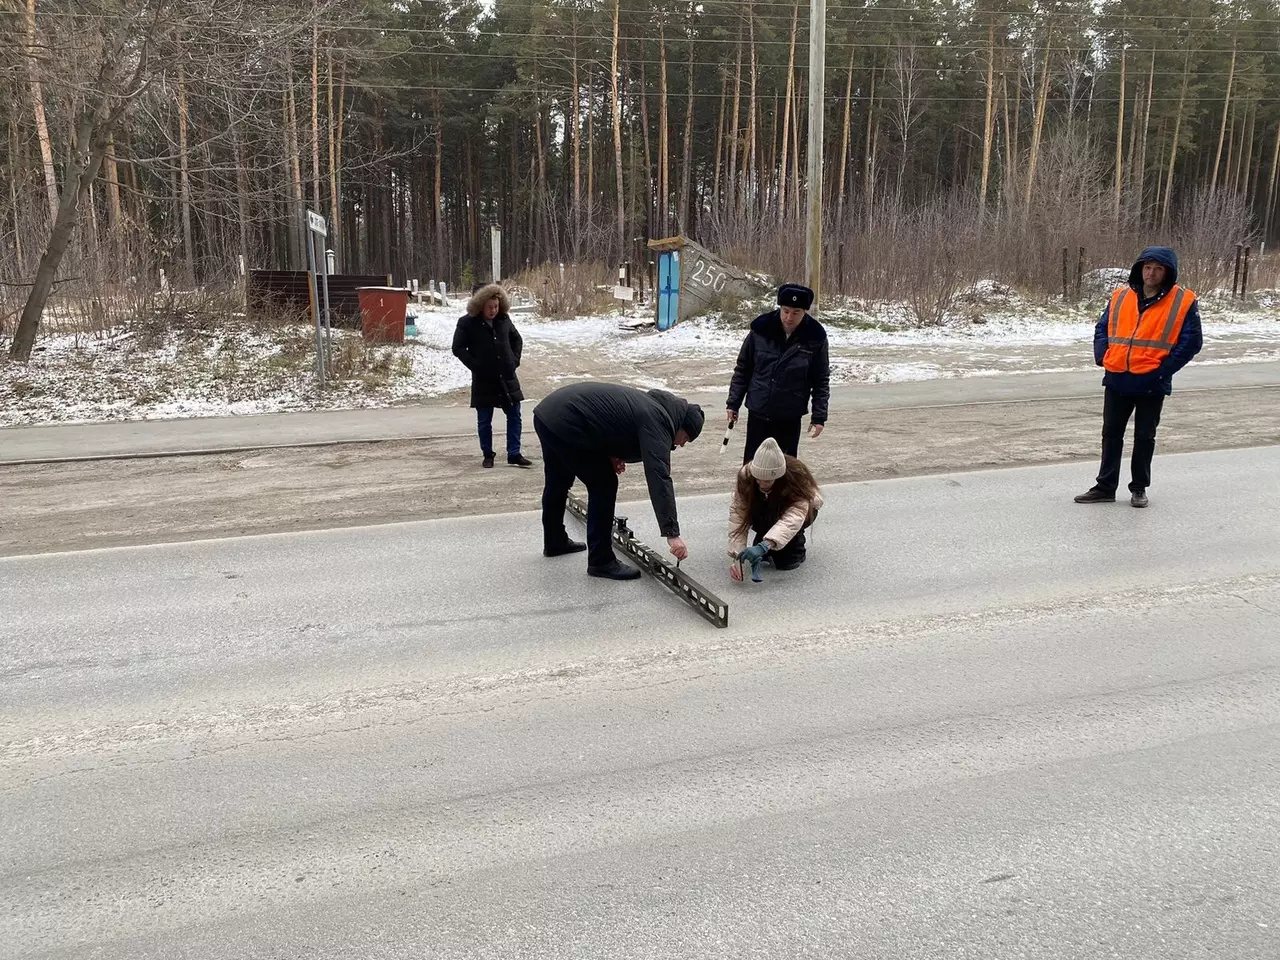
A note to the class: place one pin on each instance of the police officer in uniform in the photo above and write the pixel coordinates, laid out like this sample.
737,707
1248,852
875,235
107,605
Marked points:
783,364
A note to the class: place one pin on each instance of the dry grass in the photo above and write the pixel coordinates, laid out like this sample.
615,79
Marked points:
925,253
570,289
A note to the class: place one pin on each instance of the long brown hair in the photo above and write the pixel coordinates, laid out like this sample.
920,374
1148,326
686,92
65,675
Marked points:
795,486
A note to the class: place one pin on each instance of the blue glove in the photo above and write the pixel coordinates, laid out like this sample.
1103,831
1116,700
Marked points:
753,556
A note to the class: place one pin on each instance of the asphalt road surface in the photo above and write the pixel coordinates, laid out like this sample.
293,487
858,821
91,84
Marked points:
981,721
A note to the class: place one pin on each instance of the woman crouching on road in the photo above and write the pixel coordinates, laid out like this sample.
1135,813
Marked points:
776,497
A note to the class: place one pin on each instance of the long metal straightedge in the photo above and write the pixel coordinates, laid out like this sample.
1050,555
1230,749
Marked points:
703,601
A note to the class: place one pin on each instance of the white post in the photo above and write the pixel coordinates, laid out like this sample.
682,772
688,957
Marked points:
332,260
817,64
495,252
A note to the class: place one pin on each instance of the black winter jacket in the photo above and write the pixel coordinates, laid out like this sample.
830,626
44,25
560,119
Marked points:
612,420
491,352
777,375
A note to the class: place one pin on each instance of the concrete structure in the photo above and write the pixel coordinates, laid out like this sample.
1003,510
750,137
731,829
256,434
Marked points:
693,280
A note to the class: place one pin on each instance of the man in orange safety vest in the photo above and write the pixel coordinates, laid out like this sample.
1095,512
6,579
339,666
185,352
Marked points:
1149,331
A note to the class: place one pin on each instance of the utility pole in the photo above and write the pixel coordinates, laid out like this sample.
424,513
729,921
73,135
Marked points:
817,66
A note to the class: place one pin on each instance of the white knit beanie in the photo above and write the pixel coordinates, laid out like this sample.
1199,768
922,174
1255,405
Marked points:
769,463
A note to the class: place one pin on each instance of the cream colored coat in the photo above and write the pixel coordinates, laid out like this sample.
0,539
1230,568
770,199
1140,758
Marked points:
781,533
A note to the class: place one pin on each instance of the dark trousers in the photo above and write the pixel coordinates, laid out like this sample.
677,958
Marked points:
561,464
786,432
484,427
1117,408
790,556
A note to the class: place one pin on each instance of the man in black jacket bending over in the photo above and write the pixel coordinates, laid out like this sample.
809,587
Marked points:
592,431
783,361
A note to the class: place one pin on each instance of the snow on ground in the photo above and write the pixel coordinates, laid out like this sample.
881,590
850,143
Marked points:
993,331
874,342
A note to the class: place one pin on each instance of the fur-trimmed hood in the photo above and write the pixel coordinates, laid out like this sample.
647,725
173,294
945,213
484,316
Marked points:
475,306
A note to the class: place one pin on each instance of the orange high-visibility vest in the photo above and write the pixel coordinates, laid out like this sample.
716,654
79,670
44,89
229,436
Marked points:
1136,343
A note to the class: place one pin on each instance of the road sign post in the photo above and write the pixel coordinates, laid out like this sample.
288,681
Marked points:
317,231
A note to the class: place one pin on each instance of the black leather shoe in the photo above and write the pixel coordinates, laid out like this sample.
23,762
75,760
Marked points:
569,546
1096,495
615,571
488,460
1138,499
519,461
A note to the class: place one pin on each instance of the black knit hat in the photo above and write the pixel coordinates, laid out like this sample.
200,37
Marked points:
794,295
694,418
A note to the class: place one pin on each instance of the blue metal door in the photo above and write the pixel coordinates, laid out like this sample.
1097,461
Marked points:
668,289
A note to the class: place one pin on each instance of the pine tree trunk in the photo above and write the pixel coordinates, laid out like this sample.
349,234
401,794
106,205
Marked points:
184,180
42,124
335,202
113,187
1246,153
1017,118
544,196
1228,166
686,161
1173,147
731,198
1038,127
1120,140
15,165
798,110
617,133
242,186
1222,131
1269,212
786,112
591,146
297,204
869,159
664,151
342,122
1009,134
651,172
576,121
1157,203
715,174
1140,167
771,195
989,122
317,202
844,142
750,154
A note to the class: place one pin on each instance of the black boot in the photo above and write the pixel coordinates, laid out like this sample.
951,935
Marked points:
488,460
565,546
1097,495
614,571
519,461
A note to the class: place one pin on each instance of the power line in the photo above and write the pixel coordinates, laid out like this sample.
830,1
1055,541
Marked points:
732,8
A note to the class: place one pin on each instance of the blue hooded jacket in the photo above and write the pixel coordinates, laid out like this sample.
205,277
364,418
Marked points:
1190,340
